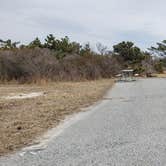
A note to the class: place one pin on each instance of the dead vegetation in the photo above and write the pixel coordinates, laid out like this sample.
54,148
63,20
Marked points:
22,120
33,65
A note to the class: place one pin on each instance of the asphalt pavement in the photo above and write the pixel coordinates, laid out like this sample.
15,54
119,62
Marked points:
127,128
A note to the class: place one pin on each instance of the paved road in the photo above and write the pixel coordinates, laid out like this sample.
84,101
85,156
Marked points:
127,128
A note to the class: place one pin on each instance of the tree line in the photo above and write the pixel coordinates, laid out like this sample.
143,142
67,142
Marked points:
62,59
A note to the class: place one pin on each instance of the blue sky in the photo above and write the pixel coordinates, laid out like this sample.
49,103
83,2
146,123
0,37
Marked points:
105,21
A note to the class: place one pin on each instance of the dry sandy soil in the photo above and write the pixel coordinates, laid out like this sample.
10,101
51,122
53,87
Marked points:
161,75
27,111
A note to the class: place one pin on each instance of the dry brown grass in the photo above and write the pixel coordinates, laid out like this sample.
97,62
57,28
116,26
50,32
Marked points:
162,75
22,120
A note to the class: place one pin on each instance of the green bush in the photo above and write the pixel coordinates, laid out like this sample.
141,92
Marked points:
159,67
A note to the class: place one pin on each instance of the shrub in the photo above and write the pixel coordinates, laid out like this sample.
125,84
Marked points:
34,64
159,67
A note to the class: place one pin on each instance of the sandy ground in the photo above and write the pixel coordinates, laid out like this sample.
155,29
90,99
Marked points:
163,75
23,95
27,111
